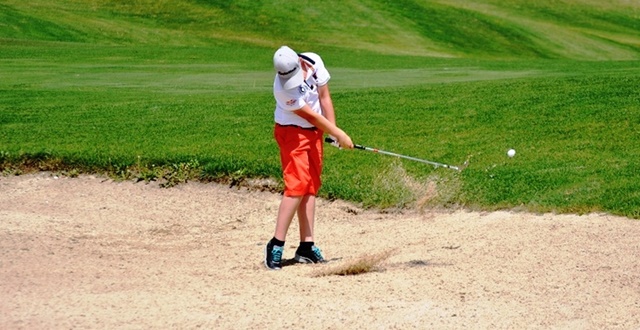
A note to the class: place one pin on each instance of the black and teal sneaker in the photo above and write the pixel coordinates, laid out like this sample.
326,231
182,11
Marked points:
273,256
312,256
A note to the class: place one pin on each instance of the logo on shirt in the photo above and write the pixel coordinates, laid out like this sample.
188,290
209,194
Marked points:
291,102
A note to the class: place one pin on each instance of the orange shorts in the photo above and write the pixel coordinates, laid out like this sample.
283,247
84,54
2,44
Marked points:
301,159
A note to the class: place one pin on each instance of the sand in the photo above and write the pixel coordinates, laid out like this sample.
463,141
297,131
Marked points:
91,253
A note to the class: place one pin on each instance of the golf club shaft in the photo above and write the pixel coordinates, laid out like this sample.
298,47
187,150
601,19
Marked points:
361,147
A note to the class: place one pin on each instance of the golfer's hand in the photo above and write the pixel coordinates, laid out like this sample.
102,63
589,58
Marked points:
345,142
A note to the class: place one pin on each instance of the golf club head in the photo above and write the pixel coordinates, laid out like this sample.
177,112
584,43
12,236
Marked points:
465,164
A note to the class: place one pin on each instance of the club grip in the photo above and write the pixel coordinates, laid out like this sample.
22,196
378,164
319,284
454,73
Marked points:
332,141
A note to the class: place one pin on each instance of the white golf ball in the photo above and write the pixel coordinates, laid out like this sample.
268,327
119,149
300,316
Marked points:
511,152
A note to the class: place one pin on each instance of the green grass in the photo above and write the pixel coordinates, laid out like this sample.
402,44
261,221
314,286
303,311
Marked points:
176,91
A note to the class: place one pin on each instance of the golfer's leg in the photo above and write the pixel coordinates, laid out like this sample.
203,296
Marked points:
288,207
306,215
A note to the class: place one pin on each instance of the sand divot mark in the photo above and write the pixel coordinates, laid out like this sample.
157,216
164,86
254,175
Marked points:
363,264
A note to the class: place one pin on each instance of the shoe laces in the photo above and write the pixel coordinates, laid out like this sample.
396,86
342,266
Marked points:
277,253
317,252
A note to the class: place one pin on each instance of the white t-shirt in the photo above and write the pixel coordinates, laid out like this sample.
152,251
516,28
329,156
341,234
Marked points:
293,99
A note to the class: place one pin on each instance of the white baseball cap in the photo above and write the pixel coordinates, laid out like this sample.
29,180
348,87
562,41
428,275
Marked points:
287,65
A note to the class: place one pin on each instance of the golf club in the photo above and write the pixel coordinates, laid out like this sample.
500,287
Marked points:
357,146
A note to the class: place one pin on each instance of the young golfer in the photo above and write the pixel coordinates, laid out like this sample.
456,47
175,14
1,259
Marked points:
304,112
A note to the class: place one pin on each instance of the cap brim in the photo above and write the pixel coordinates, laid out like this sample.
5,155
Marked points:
294,81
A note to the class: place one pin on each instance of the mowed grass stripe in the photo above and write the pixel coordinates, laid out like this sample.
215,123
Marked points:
483,29
552,30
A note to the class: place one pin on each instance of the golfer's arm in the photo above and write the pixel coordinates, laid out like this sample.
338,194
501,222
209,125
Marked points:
321,122
326,103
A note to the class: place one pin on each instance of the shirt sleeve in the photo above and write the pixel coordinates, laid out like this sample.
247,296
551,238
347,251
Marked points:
322,75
